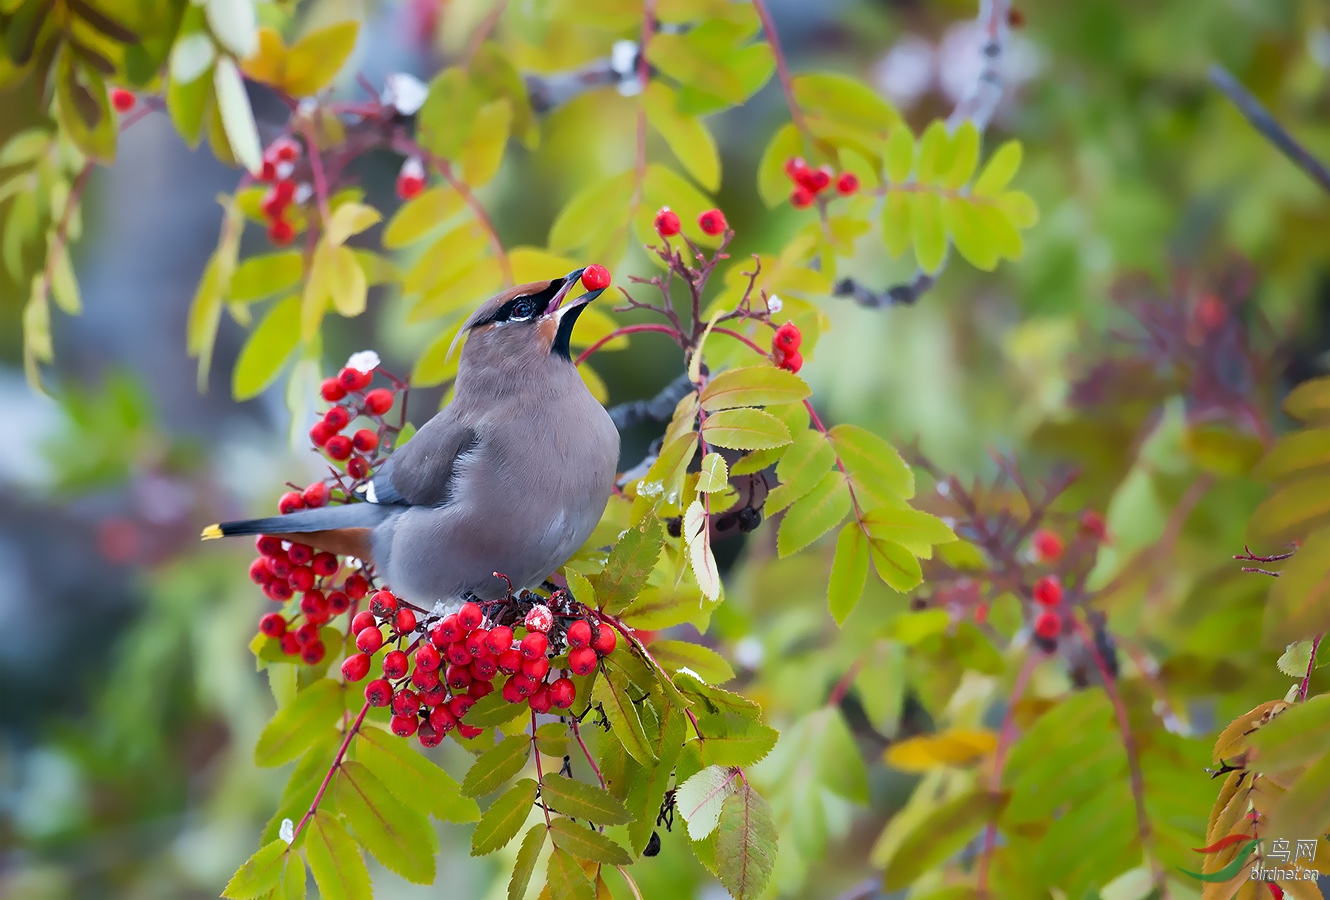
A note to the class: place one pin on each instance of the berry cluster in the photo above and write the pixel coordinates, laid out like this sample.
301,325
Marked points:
809,183
785,347
711,222
279,162
434,671
349,394
1048,547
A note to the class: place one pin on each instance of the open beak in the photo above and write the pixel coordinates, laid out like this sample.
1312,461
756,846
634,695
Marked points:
569,282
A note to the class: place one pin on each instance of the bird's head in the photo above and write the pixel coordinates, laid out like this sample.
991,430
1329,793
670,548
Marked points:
536,317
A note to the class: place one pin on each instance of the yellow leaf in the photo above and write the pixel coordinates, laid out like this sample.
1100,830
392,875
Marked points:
953,747
482,155
420,215
347,286
535,264
268,63
317,57
314,303
687,137
349,219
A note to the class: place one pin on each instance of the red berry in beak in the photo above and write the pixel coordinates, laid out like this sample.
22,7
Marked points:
595,278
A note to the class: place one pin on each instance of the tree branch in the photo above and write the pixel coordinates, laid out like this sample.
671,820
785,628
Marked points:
1260,119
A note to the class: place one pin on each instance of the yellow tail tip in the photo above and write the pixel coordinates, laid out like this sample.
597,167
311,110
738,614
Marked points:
212,532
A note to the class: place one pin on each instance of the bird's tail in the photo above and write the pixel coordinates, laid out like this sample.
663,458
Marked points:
343,529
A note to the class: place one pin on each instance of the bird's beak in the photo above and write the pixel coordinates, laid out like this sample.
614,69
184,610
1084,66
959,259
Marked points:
569,282
578,302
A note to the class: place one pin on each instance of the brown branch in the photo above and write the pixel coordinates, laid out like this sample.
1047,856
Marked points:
1006,734
1311,663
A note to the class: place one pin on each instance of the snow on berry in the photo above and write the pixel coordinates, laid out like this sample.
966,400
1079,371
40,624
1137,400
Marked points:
539,619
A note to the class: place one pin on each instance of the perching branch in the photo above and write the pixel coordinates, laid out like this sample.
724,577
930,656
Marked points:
1260,119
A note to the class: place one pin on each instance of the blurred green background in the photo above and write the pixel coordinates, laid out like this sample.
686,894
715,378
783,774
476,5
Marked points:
130,701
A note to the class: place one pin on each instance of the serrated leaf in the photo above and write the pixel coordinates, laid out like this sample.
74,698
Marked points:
917,531
753,386
897,230
683,57
1296,660
300,724
492,710
998,171
877,471
413,778
966,226
339,870
583,801
482,154
611,692
267,350
237,116
697,536
746,743
745,429
583,218
629,565
700,798
436,364
497,765
565,878
801,468
1298,607
584,843
1299,736
898,157
895,565
701,661
398,836
1295,509
504,818
687,136
315,59
745,843
810,517
525,864
714,476
849,571
259,874
965,142
647,790
845,98
421,215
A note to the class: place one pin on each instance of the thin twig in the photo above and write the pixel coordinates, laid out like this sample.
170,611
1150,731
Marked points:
482,32
1260,119
577,733
1311,662
336,764
782,70
540,773
316,168
1006,734
625,330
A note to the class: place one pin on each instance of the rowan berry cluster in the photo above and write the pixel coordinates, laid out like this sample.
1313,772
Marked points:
809,183
279,162
785,347
351,397
1048,547
711,222
433,671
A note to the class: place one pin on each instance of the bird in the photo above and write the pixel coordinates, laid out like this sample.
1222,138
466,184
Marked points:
503,485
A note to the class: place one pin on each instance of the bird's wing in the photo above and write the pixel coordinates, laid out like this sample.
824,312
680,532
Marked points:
421,473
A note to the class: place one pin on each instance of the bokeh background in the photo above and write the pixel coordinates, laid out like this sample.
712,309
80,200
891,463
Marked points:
130,703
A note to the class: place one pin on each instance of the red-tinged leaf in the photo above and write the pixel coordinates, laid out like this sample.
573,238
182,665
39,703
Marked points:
1224,842
700,798
745,843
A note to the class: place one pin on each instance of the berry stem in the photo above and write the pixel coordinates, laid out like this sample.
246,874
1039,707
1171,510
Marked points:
1311,662
327,779
843,686
739,337
482,33
577,733
316,168
1006,733
625,330
540,772
783,71
641,648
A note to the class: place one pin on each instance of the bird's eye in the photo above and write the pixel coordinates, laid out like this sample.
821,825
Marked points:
523,309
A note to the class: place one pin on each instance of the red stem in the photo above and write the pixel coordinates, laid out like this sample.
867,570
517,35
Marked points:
782,69
316,168
628,329
843,686
327,779
1306,679
1005,736
540,773
739,337
577,733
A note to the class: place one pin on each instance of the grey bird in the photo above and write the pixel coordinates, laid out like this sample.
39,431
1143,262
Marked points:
511,477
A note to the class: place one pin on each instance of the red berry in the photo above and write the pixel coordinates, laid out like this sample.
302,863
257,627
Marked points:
712,222
307,633
510,661
300,554
356,467
470,617
273,625
475,643
354,379
457,654
847,184
533,646
284,149
405,621
432,694
338,603
378,401
457,677
818,179
315,606
363,619
1048,624
336,418
428,736
332,390
365,440
395,665
258,571
1048,591
579,634
383,604
122,100
562,693
268,173
792,362
290,643
379,692
479,688
460,704
795,167
1047,545
604,641
290,502
448,631
536,668
356,586
369,640
595,277
801,197
302,578
499,639
404,726
540,700
281,233
276,200
442,720
338,446
524,685
406,703
425,680
280,566
539,619
484,668
787,338
409,186
278,591
355,667
319,433
427,658
267,545
510,691
1092,525
667,222
469,731
582,660
311,654
325,565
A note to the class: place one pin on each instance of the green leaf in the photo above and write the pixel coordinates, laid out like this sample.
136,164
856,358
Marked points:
1298,607
687,137
745,843
898,157
966,225
896,228
1300,735
421,215
339,869
745,429
399,836
927,231
237,117
1309,402
629,565
1296,659
566,879
844,98
583,218
259,874
715,699
1295,509
895,565
504,818
497,765
234,25
315,59
436,364
934,152
647,790
348,287
772,183
349,219
525,864
753,386
876,469
611,692
998,171
701,661
849,570
683,57
267,350
943,832
1303,452
966,149
413,778
83,108
701,558
917,531
263,276
583,801
812,516
714,475
482,155
445,118
300,724
745,742
803,465
584,843
492,710
700,799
